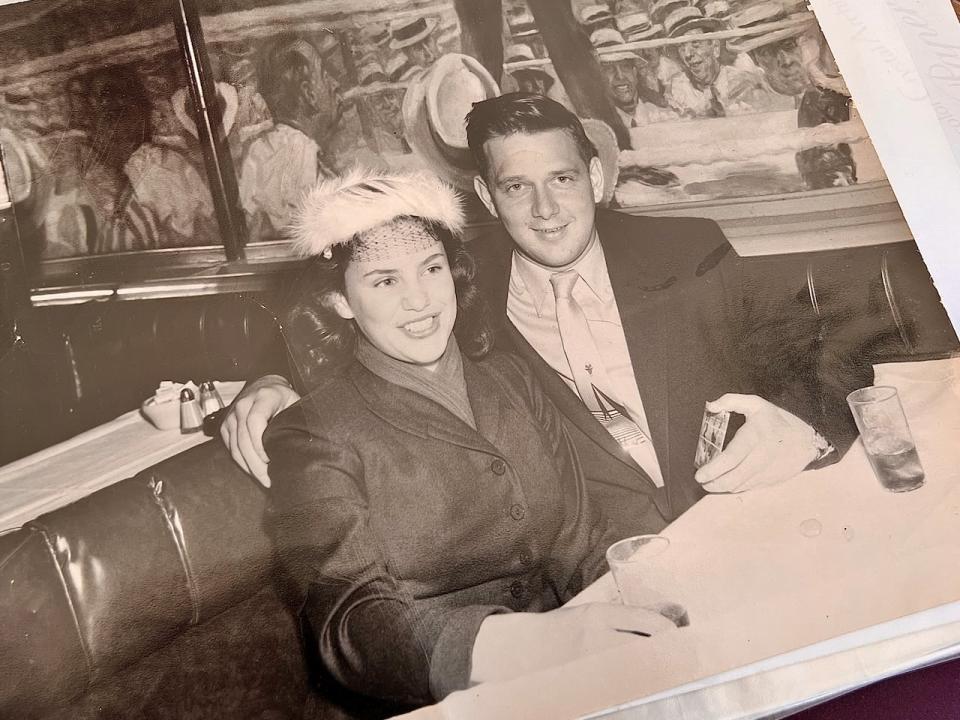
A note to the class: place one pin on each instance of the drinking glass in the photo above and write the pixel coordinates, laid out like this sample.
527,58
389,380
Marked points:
886,437
641,572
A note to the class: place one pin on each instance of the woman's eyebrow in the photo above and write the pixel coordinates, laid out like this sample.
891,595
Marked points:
379,271
433,258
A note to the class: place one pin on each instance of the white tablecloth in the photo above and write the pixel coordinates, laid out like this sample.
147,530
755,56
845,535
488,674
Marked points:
70,470
798,591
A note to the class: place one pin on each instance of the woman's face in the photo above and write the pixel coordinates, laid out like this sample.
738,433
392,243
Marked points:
404,304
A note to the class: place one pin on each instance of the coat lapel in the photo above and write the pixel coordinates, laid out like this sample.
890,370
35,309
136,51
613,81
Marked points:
412,413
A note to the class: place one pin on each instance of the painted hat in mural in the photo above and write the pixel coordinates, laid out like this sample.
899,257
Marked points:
760,14
687,19
714,8
661,8
522,25
637,26
607,38
594,15
410,31
435,108
521,52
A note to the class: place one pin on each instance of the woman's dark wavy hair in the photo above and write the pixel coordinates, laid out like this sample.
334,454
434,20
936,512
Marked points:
322,343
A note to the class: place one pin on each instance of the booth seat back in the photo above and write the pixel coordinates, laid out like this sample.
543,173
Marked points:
154,598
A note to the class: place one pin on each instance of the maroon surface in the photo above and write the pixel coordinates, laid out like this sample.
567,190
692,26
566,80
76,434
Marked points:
932,693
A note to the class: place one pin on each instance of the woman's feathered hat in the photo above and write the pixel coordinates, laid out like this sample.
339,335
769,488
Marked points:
380,211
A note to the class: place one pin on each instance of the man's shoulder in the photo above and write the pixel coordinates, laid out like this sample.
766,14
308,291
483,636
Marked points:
679,246
659,229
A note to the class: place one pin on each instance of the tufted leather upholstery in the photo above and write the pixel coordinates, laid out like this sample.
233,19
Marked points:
150,598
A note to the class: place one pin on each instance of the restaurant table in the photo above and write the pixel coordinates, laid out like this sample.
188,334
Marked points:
75,468
795,592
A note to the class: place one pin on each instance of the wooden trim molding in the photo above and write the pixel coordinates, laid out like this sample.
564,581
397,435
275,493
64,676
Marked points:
811,221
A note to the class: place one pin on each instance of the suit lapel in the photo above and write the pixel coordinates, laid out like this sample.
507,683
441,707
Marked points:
637,281
496,264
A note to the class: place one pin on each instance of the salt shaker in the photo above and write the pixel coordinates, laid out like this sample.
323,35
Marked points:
191,419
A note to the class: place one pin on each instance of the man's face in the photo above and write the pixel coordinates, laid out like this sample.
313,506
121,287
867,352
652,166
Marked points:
424,52
701,59
623,78
783,67
544,194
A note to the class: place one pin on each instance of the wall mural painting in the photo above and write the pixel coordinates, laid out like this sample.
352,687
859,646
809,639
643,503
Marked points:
96,127
689,99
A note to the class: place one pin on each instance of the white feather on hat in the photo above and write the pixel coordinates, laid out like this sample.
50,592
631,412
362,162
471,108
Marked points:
338,209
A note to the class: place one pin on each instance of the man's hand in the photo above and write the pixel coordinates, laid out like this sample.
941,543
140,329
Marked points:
247,417
770,447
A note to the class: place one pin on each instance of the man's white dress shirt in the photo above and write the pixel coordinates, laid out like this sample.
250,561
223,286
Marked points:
531,307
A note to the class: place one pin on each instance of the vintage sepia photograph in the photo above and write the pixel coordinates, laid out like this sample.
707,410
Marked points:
461,359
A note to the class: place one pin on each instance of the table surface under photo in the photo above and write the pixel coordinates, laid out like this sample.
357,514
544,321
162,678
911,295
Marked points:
795,592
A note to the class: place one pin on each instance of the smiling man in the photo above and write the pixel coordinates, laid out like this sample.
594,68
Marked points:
636,103
710,85
631,324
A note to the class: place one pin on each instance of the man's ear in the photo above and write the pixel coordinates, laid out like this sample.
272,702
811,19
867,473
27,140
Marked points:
340,306
483,192
596,178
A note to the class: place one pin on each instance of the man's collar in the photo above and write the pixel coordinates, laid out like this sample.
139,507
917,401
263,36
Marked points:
530,277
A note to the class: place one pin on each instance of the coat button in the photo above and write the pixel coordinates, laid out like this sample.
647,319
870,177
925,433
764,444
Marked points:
517,512
498,466
516,589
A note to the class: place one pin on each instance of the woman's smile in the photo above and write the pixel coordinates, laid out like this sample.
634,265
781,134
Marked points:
423,327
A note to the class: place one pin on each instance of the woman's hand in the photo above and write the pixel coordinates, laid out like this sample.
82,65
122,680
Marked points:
246,419
516,643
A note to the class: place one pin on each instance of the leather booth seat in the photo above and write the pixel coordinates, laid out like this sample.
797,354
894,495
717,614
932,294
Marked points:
152,598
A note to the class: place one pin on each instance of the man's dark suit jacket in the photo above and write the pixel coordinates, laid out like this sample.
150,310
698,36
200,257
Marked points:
679,288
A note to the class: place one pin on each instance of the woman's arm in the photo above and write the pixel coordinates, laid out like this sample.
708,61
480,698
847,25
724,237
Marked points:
373,637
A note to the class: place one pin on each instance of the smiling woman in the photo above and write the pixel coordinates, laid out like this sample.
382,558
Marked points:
395,275
419,491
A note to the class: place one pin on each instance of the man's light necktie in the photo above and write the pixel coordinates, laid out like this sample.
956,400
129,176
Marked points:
578,344
590,376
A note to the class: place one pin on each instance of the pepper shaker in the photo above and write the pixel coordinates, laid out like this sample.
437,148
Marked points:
210,400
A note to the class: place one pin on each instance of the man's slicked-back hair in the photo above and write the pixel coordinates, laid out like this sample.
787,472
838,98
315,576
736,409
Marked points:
526,113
